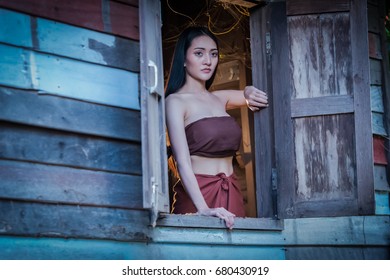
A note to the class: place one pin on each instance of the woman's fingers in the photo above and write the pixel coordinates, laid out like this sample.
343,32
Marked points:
255,98
221,213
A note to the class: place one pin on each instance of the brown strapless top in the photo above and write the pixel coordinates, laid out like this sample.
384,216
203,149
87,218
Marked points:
214,137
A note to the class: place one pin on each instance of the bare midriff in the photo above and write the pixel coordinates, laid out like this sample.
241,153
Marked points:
212,166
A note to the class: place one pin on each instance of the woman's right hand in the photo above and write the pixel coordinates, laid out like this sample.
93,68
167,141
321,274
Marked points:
222,213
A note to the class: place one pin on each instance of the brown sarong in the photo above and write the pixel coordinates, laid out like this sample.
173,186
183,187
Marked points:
218,191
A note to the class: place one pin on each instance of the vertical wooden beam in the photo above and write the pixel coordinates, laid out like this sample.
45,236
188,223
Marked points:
385,80
261,76
154,156
361,86
284,136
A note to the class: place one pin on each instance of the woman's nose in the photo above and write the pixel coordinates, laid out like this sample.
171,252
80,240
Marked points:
207,60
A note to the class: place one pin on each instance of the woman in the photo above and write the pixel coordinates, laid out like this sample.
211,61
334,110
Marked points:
203,137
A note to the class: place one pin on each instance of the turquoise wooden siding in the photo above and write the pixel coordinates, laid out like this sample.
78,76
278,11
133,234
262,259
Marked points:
364,237
53,58
61,249
378,91
382,200
17,25
70,129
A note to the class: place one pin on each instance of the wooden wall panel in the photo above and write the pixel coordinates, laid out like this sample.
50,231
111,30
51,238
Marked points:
32,108
15,28
68,221
88,249
375,72
56,184
83,44
299,7
130,2
379,150
25,69
91,14
65,149
337,253
378,125
86,13
13,69
382,203
375,47
377,99
373,16
380,178
302,107
317,45
325,158
120,23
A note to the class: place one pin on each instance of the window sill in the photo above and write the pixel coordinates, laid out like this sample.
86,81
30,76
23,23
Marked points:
195,221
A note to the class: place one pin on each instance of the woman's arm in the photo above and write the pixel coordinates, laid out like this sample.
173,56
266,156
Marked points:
175,123
254,98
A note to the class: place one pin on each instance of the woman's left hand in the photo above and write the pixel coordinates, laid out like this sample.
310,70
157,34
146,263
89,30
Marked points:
255,98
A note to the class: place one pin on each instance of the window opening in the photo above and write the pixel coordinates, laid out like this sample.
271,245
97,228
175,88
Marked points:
230,23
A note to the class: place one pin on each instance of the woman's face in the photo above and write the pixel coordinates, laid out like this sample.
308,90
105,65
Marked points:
201,58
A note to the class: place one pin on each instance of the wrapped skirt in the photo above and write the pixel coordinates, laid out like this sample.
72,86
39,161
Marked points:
218,191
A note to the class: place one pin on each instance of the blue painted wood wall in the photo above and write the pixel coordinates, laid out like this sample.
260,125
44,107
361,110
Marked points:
70,152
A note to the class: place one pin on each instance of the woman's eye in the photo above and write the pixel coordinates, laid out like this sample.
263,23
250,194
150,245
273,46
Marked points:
214,54
198,53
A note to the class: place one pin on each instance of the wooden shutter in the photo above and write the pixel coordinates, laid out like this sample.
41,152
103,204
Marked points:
319,120
154,158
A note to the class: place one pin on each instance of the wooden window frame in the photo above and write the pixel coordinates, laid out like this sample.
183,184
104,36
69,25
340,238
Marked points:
273,199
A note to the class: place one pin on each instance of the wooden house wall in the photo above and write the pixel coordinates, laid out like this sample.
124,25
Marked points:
379,98
70,127
70,160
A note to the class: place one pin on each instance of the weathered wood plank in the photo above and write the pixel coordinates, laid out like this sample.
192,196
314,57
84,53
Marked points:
379,150
375,47
386,70
337,253
317,44
341,206
380,178
15,28
373,19
354,231
376,72
37,182
154,155
378,125
75,79
59,148
130,2
68,41
382,203
30,108
90,14
284,154
377,99
318,106
261,76
236,237
83,44
124,20
12,67
361,88
325,158
68,221
299,7
14,248
195,221
86,13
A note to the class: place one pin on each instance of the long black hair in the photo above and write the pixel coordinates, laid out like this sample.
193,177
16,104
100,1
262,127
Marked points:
177,75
